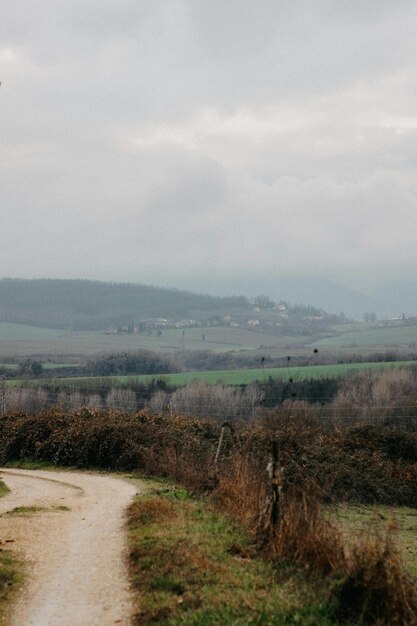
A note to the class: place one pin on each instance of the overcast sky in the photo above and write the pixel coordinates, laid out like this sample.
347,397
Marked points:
218,145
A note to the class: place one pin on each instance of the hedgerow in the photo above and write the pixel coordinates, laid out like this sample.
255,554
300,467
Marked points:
365,463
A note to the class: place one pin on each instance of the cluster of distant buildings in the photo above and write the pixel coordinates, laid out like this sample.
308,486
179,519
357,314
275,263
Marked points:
258,317
153,323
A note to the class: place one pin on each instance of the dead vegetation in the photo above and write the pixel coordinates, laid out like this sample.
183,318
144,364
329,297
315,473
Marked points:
376,589
368,578
361,463
196,566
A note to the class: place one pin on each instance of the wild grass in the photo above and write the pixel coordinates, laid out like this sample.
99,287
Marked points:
4,490
25,510
191,565
11,577
306,537
367,577
361,580
356,520
29,510
376,588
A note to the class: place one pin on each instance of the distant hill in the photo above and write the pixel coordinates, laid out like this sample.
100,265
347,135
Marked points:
94,305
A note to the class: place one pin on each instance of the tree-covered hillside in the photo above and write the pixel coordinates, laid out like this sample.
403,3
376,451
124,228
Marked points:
94,305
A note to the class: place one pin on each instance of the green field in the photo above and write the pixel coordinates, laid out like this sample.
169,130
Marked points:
22,332
46,366
372,337
244,376
20,340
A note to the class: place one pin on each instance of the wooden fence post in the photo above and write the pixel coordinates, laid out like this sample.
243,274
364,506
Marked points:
219,445
270,516
3,394
275,486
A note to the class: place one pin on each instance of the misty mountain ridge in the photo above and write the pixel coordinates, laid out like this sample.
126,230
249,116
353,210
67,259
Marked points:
389,298
73,304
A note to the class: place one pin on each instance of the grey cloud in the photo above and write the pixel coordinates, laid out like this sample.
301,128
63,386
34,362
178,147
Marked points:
181,140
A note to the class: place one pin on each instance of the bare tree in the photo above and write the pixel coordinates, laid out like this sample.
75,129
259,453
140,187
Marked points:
94,401
121,399
158,402
221,401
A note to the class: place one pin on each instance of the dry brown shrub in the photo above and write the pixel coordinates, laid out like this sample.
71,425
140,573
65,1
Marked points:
375,587
150,511
377,590
241,490
306,537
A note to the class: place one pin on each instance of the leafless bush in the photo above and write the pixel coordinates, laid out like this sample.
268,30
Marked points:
75,401
62,400
26,399
380,394
94,401
16,399
224,402
121,399
158,402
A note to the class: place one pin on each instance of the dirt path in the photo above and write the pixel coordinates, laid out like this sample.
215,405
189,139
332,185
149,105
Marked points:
74,547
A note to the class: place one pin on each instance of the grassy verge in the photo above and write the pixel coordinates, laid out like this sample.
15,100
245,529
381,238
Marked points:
10,579
31,465
3,489
191,565
10,573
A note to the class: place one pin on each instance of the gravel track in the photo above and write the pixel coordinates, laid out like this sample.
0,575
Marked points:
74,555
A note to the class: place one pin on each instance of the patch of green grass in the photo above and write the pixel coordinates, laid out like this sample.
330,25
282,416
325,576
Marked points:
26,510
192,566
174,493
319,615
244,376
375,336
4,490
10,580
147,485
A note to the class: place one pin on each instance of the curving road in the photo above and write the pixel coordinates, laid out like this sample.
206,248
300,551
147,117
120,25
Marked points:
74,547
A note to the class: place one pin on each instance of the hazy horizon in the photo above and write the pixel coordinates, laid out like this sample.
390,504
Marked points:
225,148
321,294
